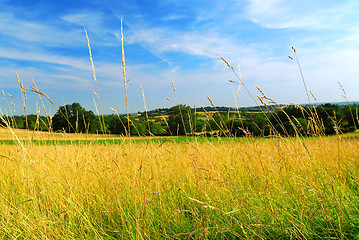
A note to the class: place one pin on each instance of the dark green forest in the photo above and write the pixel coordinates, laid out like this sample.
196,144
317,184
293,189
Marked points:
326,119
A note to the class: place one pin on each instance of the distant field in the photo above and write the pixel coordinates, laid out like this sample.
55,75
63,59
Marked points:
7,135
13,136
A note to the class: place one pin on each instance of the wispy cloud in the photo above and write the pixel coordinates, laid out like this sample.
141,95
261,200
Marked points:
209,44
28,34
173,17
298,14
33,56
102,27
55,51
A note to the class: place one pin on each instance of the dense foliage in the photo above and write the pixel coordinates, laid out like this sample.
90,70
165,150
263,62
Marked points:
183,120
74,118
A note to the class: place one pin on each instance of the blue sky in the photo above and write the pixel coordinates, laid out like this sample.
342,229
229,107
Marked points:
179,40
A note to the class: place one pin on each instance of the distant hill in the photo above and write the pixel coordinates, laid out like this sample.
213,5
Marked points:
222,109
338,103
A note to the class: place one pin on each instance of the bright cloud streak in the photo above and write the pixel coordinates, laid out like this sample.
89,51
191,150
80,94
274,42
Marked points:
299,14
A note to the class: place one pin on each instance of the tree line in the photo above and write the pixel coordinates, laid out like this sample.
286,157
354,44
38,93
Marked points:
183,120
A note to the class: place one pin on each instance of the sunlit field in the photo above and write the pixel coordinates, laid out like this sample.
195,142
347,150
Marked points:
9,135
290,180
274,188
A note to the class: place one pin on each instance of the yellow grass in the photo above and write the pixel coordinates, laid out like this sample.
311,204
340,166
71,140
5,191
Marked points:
97,191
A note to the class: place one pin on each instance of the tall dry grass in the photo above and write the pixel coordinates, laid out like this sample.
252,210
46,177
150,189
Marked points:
247,189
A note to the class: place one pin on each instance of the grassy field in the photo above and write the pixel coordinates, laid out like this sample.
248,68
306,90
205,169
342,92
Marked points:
278,188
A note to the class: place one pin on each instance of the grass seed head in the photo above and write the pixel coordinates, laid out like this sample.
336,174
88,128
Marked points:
173,85
224,60
313,95
210,100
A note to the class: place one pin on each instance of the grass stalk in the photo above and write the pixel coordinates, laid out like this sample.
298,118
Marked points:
97,90
125,81
144,102
301,74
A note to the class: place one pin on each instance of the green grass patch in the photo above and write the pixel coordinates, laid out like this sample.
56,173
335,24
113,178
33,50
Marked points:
179,139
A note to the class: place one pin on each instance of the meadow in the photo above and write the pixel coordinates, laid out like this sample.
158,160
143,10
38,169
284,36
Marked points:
249,188
58,185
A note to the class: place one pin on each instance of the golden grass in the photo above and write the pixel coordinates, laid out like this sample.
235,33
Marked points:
97,191
125,81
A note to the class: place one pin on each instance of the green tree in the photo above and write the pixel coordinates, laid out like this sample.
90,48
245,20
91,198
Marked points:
118,125
350,117
20,121
155,128
74,118
220,122
180,120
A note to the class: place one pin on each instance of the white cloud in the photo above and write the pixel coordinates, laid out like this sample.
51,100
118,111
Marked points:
173,17
52,47
85,19
297,14
28,34
209,44
44,58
